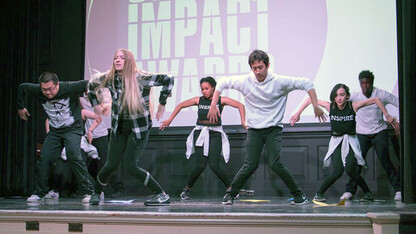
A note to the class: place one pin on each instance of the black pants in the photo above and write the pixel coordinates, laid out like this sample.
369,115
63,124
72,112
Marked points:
125,147
213,159
380,143
256,139
101,143
338,170
51,151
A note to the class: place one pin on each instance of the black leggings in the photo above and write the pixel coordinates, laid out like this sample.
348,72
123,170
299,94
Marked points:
338,170
125,147
214,158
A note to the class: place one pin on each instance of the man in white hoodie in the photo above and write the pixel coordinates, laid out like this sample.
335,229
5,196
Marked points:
265,100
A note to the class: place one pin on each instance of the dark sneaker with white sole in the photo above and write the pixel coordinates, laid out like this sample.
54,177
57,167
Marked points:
160,199
319,197
299,198
185,194
368,197
228,199
94,199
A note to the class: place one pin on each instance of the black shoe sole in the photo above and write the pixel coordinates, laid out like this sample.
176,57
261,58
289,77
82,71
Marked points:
157,204
228,203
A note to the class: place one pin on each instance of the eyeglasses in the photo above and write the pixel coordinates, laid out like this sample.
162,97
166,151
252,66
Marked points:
49,90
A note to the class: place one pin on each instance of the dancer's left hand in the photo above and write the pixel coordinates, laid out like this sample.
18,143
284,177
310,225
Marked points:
160,111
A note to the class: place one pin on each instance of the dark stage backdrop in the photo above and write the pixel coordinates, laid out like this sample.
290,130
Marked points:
39,35
36,35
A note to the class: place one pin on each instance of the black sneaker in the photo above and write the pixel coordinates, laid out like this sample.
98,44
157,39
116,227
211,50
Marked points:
160,199
94,199
185,194
299,198
320,197
228,199
368,197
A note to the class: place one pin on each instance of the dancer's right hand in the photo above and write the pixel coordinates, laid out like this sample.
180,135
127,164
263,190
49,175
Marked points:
23,114
164,124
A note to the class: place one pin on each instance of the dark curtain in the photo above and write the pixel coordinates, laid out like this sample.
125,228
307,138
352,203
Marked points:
19,64
406,39
36,36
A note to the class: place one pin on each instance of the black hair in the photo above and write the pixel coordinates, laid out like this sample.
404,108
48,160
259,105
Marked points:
366,74
335,89
210,80
258,55
45,77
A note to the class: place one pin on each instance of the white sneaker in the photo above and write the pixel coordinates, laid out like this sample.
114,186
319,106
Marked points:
33,198
86,198
398,196
52,195
346,196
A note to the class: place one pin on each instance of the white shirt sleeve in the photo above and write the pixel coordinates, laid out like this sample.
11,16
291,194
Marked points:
230,82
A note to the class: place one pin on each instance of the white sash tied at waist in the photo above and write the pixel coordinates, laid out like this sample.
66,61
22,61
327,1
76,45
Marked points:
347,141
203,140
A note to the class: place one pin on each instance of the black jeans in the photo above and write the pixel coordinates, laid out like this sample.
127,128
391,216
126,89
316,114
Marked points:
214,158
338,170
124,146
380,143
51,151
101,143
256,139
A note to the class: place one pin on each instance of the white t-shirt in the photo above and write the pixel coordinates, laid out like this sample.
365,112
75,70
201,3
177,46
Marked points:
370,118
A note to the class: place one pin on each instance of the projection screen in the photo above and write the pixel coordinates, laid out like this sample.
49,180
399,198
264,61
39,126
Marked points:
327,42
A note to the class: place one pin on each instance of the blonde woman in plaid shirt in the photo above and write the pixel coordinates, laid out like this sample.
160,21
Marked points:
130,120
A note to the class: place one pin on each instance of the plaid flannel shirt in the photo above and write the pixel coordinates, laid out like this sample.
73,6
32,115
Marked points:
141,122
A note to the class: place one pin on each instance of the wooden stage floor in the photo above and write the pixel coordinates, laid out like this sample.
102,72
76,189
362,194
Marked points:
247,215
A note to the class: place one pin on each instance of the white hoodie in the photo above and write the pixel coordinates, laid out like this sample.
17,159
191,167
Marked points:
265,101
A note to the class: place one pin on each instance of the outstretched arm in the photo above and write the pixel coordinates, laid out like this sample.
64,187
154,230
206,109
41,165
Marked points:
97,120
318,112
379,103
236,104
166,81
213,112
296,117
190,102
99,106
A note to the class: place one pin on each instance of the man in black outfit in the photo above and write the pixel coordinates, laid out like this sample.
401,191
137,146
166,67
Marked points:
60,100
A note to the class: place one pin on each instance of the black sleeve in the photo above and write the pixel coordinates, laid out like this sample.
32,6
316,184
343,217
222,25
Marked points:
23,90
78,87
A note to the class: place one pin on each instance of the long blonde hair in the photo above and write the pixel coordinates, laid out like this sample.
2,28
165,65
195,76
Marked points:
132,96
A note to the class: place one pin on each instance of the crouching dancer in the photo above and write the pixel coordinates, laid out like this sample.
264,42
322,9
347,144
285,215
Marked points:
61,104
